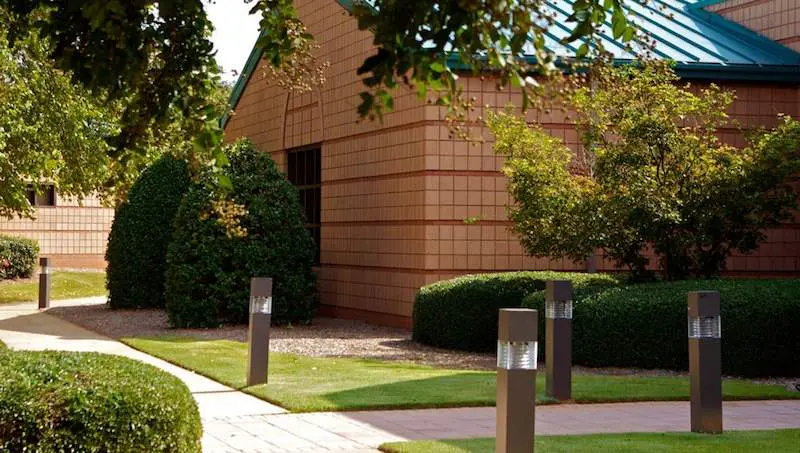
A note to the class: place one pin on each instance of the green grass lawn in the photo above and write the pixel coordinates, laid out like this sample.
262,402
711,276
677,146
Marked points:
731,442
65,285
307,384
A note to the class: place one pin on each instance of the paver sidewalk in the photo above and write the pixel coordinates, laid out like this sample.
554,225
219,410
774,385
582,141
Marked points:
236,422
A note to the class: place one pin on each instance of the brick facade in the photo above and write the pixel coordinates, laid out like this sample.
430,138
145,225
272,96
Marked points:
73,235
778,20
395,194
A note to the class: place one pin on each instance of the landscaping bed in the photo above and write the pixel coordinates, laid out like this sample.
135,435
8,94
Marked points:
778,441
306,384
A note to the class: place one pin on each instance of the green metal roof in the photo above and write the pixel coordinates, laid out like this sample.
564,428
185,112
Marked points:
703,45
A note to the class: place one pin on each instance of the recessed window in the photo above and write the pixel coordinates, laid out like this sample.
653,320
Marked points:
47,197
305,172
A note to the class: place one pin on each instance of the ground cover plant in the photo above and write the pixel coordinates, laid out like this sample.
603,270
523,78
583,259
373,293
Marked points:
65,285
88,402
759,319
461,313
307,384
778,441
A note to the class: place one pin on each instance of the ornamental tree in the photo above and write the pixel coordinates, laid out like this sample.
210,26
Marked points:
652,176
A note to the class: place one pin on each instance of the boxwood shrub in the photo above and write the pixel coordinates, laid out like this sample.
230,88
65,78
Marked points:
18,257
208,271
88,402
142,229
645,326
462,313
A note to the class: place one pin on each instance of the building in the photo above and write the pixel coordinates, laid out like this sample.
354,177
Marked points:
388,200
72,234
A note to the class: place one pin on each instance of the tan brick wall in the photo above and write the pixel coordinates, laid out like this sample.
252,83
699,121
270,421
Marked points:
73,234
778,20
372,247
395,194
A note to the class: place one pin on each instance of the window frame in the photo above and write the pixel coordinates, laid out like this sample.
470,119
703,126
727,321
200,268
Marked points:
306,177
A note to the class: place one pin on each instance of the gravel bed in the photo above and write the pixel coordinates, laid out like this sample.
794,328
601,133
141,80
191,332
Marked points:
325,337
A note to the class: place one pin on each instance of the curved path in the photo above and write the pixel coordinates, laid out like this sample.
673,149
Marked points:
237,422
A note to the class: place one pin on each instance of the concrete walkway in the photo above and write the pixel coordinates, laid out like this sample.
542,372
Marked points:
236,422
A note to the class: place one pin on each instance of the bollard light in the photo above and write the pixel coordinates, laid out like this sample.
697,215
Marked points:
517,349
258,331
705,361
44,283
558,339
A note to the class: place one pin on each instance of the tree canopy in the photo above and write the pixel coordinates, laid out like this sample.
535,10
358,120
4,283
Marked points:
655,179
55,131
154,55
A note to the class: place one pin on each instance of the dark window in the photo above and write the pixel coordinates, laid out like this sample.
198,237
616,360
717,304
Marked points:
305,172
47,197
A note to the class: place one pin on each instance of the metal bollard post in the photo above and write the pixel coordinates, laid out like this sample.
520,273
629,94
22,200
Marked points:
517,349
258,331
44,283
705,361
558,339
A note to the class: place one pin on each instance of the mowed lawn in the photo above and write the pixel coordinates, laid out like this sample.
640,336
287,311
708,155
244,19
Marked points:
308,384
781,441
65,285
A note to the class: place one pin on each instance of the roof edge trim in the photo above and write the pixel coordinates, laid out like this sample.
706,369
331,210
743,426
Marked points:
704,3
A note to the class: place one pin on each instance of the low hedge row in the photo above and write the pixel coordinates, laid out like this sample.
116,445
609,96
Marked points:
462,313
645,326
18,257
87,402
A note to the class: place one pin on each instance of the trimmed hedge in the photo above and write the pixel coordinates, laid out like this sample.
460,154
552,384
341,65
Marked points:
645,326
140,234
208,273
462,313
18,257
89,402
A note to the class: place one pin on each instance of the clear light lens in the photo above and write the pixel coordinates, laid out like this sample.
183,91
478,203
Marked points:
517,355
261,304
555,309
705,327
45,270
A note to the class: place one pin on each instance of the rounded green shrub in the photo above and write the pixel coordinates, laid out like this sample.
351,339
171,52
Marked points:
209,271
140,234
87,402
462,313
17,257
645,326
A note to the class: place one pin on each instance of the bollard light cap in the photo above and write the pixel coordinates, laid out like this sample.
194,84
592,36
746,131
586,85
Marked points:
704,304
558,290
44,261
518,325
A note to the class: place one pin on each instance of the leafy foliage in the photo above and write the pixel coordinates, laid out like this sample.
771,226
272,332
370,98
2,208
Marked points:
416,43
50,130
17,257
56,132
758,337
66,401
652,172
154,55
462,313
140,234
209,270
